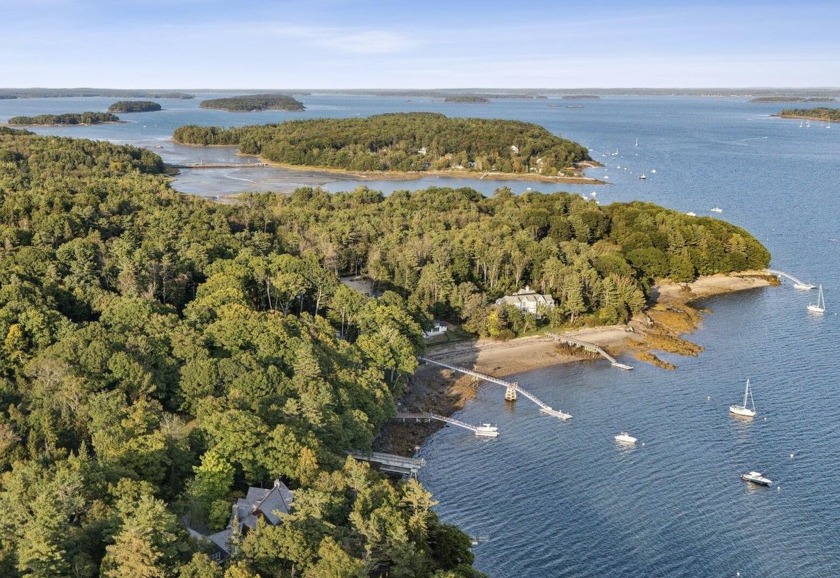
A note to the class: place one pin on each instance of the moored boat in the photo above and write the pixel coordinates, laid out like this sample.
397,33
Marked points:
819,306
625,438
744,410
756,478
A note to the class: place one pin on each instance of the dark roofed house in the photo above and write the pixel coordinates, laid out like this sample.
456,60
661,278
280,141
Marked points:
528,300
269,504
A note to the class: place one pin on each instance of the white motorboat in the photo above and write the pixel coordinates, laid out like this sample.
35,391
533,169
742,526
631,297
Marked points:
756,478
747,409
486,430
716,210
819,306
625,438
803,286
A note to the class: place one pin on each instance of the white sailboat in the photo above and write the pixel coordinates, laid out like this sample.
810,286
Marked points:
819,306
744,410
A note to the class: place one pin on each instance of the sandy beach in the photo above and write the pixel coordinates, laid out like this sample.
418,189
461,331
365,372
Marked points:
662,326
452,173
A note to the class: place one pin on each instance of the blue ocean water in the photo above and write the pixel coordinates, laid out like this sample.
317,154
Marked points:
561,498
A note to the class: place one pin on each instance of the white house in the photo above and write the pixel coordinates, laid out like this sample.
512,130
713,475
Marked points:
527,300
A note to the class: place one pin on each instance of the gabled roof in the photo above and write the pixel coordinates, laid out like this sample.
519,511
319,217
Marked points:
261,501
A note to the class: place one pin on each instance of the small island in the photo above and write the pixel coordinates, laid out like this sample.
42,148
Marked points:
467,99
255,102
794,99
404,143
820,113
134,106
70,119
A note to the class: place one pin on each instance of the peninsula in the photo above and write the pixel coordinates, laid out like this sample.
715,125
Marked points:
404,143
820,113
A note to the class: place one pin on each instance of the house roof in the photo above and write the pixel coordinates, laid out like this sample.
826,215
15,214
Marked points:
265,502
526,295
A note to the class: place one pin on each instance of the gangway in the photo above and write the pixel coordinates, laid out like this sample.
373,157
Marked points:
589,347
392,463
483,430
512,388
797,284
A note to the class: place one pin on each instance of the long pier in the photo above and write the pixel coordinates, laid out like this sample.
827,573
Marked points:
392,463
511,387
484,430
591,347
797,284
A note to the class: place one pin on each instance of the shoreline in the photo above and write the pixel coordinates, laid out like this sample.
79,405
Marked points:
416,175
800,117
661,327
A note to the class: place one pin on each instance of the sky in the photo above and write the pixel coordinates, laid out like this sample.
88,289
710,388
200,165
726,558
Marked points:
420,44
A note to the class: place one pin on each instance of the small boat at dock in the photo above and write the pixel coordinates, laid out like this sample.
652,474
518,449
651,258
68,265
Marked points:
487,431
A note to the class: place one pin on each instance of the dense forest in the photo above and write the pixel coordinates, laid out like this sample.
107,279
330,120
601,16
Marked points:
69,118
255,102
162,353
401,142
134,106
820,113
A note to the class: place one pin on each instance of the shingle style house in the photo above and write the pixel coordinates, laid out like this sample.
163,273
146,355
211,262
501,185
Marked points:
269,504
527,300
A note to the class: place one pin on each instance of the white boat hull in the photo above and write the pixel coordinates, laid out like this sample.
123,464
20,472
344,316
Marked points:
756,478
816,309
625,439
741,411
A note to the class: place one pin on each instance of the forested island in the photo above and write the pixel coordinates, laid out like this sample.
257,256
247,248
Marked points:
134,106
403,143
580,97
466,99
819,113
162,354
255,102
79,118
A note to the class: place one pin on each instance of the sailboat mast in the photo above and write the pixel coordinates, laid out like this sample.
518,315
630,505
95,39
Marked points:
746,393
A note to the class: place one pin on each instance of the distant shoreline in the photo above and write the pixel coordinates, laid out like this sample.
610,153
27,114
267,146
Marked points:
60,124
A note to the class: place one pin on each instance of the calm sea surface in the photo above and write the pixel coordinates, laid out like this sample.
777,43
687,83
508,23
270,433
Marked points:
551,498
